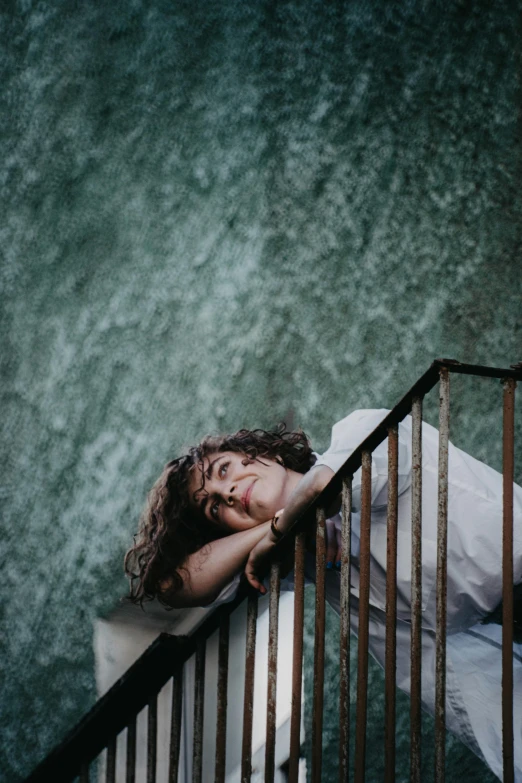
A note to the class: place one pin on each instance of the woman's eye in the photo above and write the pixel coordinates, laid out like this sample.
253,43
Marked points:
223,469
214,508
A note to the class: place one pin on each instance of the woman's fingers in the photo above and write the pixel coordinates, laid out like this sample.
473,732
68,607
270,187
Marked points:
252,577
257,585
258,561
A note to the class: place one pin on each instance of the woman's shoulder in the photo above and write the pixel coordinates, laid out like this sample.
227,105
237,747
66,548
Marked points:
348,433
360,421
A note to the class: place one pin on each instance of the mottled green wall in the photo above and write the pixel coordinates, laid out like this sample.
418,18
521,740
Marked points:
213,212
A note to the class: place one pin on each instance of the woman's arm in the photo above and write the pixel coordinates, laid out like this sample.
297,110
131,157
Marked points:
206,572
310,486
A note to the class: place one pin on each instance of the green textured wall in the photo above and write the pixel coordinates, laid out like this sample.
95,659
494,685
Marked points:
211,213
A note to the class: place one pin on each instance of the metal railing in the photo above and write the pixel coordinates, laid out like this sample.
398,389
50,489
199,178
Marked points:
138,688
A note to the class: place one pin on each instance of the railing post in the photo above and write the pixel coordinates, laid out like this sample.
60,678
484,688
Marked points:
416,591
199,704
175,724
344,601
297,665
130,761
248,707
221,720
364,618
317,709
508,469
442,575
271,696
390,667
110,772
152,738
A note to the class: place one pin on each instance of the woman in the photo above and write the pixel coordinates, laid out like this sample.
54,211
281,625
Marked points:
210,508
224,506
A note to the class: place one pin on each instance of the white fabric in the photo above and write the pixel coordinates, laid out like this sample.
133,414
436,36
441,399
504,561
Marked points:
474,522
474,666
473,680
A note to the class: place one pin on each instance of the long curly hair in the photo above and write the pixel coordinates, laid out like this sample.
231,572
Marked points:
171,528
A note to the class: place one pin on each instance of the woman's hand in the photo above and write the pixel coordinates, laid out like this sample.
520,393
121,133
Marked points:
259,558
260,555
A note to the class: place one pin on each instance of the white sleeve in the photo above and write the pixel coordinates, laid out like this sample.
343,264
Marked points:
227,594
349,433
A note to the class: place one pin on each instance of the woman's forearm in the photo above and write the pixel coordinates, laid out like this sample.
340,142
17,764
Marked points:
206,572
310,486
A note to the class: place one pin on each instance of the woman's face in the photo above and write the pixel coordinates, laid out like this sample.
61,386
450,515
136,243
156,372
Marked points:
236,493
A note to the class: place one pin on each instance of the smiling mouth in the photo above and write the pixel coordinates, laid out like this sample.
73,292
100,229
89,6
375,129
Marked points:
245,498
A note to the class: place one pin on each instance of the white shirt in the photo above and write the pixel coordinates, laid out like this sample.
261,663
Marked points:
474,568
474,522
474,671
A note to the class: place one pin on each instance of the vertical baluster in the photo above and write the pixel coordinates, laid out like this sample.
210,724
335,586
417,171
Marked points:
246,753
390,664
152,739
442,554
317,709
297,664
344,683
84,772
508,468
130,772
175,724
364,619
199,703
416,591
110,771
273,609
222,685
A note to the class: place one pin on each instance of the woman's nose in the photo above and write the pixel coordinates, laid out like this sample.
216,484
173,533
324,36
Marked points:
231,494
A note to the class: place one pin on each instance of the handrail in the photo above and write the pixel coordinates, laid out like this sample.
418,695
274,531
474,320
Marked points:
129,694
419,389
164,659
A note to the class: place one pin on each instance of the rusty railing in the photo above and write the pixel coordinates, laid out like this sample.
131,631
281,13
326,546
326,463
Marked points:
164,660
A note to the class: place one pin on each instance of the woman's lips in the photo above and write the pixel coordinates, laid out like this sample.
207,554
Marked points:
245,498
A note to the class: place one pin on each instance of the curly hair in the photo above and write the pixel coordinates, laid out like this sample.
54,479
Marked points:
170,528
